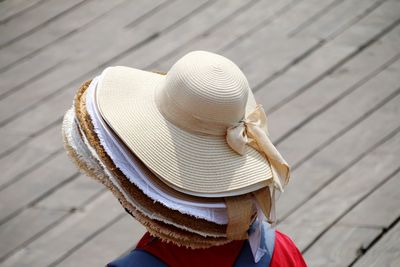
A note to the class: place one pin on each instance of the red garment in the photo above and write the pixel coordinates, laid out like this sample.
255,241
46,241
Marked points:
285,253
173,255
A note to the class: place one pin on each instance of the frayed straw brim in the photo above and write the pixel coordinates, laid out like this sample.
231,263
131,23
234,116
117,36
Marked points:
160,229
175,216
165,232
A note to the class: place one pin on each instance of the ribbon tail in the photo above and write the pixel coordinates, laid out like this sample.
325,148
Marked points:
272,213
280,168
264,201
239,211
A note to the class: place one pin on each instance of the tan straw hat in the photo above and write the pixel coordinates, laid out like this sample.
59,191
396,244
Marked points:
154,208
198,128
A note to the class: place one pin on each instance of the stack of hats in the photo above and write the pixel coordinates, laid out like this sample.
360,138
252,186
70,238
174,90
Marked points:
186,153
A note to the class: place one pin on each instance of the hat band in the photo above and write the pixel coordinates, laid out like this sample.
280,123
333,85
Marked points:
171,111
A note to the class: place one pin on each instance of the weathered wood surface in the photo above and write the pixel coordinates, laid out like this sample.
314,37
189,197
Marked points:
385,252
360,227
327,72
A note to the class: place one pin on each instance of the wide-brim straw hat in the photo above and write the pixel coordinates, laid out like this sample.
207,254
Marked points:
198,128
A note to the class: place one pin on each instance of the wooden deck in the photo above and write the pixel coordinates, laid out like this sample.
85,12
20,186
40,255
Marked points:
327,72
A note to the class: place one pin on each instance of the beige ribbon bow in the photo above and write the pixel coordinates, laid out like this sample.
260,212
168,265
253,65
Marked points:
253,131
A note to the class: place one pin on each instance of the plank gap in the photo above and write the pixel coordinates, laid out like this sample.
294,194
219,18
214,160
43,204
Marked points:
386,179
43,24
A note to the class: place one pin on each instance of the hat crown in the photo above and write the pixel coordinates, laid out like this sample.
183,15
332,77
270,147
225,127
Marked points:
208,87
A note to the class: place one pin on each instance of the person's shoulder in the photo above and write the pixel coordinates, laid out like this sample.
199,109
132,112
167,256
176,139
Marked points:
286,252
137,258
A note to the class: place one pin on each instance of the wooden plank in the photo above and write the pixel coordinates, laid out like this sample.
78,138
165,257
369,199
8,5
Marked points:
338,18
257,51
148,55
12,9
284,84
12,141
37,76
35,123
54,32
37,184
301,13
70,234
356,231
297,111
335,158
385,252
245,50
74,50
370,25
72,195
317,65
25,227
341,114
73,47
232,41
341,246
14,165
34,19
217,38
107,245
255,54
95,30
249,50
343,192
379,210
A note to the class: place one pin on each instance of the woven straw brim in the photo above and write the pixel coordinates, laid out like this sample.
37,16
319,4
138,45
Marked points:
186,221
206,227
158,229
196,164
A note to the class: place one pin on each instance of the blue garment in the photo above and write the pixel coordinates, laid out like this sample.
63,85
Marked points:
142,258
267,243
137,258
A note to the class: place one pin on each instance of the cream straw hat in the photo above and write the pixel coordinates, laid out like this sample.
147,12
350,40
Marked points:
198,128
